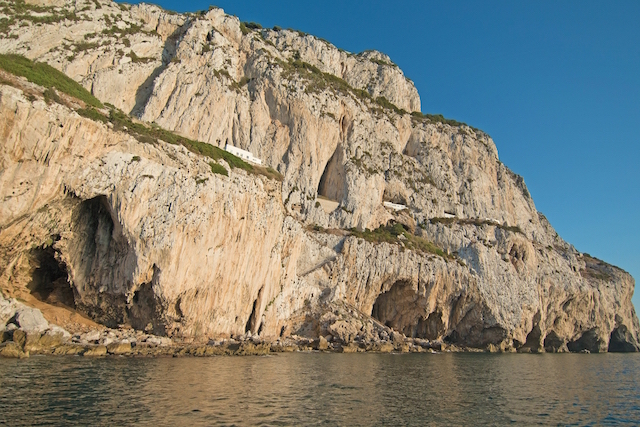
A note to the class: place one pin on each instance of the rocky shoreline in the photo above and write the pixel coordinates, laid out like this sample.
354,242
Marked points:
22,345
24,331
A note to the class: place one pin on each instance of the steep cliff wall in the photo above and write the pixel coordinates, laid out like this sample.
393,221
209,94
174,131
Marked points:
146,234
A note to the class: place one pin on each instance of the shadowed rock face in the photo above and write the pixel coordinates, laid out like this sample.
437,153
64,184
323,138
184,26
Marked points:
146,234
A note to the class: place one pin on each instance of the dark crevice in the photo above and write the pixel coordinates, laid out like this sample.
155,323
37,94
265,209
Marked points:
533,341
144,309
553,343
252,324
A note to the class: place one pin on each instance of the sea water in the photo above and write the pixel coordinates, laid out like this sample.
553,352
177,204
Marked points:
324,389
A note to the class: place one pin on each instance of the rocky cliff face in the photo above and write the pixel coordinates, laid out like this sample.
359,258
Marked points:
146,234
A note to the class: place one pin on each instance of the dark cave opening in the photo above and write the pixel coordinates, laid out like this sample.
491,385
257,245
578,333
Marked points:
252,318
588,341
49,280
143,311
622,341
332,181
102,260
403,310
553,343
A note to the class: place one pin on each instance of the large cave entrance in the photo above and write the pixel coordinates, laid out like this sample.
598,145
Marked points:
49,280
404,310
588,341
622,341
103,262
333,180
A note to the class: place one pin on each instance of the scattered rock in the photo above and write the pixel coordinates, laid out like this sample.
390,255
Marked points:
397,337
350,348
92,336
68,350
30,319
322,344
384,347
344,330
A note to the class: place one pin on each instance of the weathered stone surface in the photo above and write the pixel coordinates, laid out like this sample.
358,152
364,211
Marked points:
148,236
12,350
381,347
19,337
119,348
350,348
344,330
68,350
30,319
322,344
99,350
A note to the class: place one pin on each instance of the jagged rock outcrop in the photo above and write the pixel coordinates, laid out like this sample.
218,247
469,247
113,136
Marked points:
145,234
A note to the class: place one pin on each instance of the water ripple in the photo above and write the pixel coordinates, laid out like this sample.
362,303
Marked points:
324,389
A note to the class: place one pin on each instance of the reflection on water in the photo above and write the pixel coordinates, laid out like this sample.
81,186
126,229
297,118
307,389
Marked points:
331,389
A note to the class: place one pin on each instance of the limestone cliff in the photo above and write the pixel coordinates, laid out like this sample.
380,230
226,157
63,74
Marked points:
143,233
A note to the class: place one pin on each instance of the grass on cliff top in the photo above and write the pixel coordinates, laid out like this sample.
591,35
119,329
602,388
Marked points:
391,234
597,269
46,76
439,118
317,80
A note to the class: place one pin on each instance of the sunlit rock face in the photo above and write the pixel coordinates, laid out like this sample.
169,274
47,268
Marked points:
146,234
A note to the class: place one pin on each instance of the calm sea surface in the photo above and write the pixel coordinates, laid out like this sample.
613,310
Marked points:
331,389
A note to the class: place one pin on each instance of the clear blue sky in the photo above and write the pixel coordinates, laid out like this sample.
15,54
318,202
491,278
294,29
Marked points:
556,84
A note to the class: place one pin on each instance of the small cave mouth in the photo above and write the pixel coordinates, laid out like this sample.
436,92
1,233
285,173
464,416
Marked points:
394,197
533,341
143,311
403,310
49,280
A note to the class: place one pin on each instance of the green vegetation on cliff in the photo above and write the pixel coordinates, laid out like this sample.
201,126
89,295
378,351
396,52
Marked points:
398,234
47,77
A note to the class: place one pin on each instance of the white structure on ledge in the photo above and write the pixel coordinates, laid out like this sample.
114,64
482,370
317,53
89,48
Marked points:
243,154
395,206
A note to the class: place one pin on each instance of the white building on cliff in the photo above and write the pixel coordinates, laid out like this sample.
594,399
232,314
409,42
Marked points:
243,154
